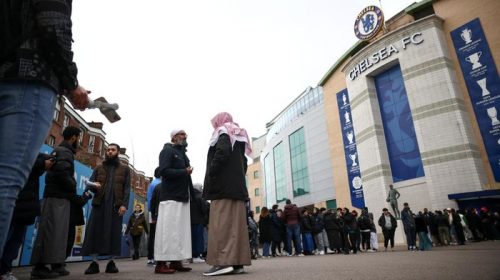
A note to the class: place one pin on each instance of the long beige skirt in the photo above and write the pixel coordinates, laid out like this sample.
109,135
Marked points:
173,231
228,242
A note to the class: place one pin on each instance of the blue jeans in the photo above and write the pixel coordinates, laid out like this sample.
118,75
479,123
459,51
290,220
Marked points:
265,249
26,111
293,231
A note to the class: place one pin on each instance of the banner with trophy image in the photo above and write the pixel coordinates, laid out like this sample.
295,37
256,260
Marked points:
483,84
350,150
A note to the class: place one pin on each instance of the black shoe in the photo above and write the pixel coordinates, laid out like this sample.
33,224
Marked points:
218,270
111,267
60,269
238,269
42,272
93,268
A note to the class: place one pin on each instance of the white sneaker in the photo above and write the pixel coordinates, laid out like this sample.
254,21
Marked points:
300,255
328,251
321,252
198,260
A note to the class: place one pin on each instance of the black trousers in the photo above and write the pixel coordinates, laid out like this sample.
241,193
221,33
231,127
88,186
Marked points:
365,240
71,239
151,241
388,236
136,239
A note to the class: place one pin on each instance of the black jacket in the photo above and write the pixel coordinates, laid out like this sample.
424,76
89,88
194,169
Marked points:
265,229
226,169
199,209
27,203
350,222
60,181
176,182
332,222
155,202
381,222
420,225
40,46
306,224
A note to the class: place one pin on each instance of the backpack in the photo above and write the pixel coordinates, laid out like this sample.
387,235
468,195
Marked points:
15,22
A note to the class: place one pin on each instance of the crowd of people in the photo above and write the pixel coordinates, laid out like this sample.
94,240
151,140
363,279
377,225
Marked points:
303,232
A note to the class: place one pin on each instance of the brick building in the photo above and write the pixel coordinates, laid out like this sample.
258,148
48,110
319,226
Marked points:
93,144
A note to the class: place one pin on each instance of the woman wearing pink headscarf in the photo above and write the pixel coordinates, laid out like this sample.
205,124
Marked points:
228,244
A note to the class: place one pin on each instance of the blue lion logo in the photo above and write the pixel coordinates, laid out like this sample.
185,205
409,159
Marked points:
368,21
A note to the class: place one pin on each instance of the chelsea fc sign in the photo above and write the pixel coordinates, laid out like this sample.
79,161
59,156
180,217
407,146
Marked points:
368,23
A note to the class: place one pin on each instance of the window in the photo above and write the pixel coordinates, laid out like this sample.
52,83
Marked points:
257,210
257,192
256,174
90,147
56,114
80,139
65,121
100,145
298,158
51,141
280,172
331,204
270,191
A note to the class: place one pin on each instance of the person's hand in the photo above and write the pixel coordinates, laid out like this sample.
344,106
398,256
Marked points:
79,98
98,187
49,163
122,210
189,170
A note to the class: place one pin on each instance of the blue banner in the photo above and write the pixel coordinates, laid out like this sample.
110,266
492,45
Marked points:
483,84
350,150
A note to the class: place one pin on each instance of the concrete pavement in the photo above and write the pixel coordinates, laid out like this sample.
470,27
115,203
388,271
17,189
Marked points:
473,261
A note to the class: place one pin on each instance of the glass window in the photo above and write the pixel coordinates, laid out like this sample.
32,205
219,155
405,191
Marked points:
280,172
65,121
256,174
51,141
257,193
402,145
56,114
90,147
270,193
257,210
298,158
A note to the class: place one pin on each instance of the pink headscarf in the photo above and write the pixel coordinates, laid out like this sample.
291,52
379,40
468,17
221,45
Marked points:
223,123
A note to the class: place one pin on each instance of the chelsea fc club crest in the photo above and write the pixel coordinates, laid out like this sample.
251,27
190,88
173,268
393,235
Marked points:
368,23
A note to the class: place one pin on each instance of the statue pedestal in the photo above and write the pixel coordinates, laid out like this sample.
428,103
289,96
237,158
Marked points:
399,235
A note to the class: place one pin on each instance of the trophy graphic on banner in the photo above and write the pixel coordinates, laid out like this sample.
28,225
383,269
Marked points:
350,136
347,118
482,84
474,59
344,99
466,35
492,113
353,158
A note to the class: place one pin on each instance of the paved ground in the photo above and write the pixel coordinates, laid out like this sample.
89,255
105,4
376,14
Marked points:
473,261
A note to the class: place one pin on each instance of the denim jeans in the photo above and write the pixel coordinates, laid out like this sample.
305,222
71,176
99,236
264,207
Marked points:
265,249
26,111
293,231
